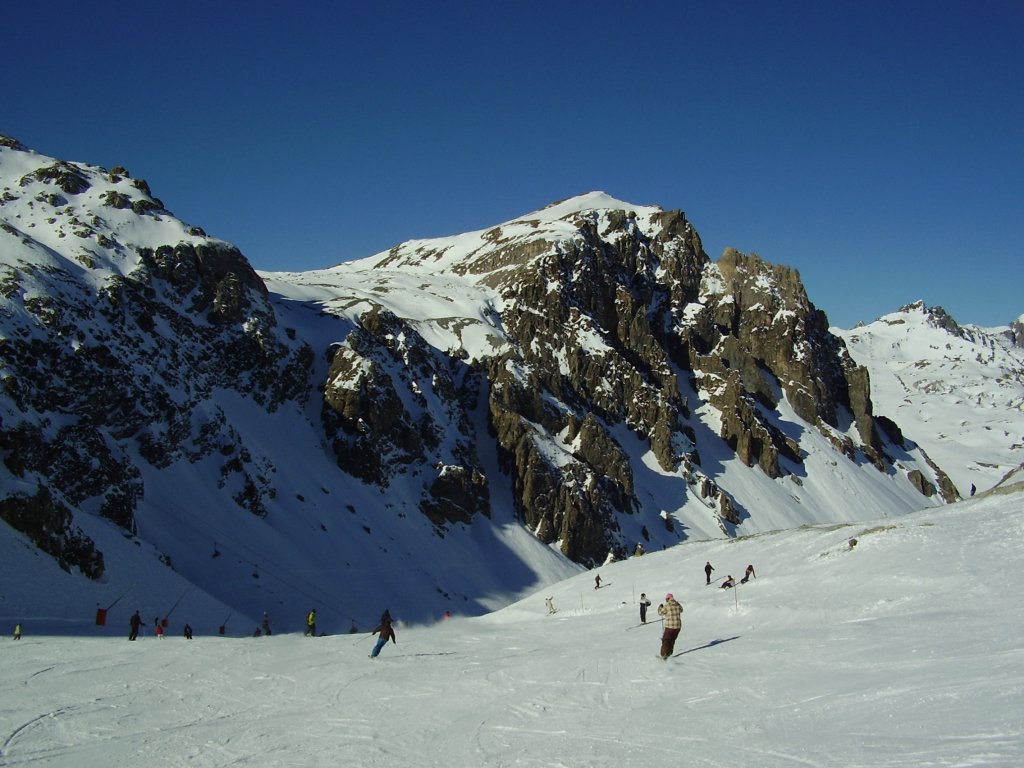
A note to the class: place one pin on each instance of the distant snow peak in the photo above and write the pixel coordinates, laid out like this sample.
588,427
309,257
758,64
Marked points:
926,371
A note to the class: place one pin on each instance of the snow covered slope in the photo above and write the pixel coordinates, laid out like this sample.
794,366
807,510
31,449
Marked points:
958,391
901,651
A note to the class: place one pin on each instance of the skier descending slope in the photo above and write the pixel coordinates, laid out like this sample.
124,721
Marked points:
673,613
386,633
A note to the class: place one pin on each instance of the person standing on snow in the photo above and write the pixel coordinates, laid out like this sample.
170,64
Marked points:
266,624
672,611
707,571
310,623
386,632
550,603
17,631
748,575
135,622
597,581
644,605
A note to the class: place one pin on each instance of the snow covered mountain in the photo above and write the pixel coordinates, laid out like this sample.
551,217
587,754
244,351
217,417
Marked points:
445,426
956,390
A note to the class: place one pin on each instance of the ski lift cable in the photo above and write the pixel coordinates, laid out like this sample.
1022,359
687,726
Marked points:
178,601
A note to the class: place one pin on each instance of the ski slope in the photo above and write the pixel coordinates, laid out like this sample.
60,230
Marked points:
903,650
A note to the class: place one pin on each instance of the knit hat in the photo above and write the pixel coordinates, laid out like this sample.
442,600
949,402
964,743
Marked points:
668,596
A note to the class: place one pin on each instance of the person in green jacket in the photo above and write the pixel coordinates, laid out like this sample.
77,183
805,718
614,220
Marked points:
311,623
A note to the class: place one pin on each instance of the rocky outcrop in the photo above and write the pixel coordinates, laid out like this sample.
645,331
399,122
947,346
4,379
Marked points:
395,405
49,525
757,336
1017,332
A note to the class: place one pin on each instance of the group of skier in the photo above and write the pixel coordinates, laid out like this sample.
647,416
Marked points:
385,629
671,610
729,581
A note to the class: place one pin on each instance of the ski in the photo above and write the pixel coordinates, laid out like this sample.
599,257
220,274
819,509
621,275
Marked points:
646,624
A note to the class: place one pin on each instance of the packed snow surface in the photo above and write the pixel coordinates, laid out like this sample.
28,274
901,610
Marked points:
903,649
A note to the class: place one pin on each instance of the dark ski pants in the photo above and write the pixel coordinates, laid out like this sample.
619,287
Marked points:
668,641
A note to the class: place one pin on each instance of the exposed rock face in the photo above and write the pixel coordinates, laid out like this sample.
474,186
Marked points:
757,336
392,404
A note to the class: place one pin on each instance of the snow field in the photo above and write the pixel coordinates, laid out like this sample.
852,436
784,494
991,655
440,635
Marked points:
903,650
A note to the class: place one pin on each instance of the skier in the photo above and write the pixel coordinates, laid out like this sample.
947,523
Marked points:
266,624
729,583
159,631
188,631
597,581
17,631
310,623
673,613
135,622
644,605
386,632
550,603
748,575
707,571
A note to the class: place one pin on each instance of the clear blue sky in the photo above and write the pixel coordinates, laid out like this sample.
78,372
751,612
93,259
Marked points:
878,147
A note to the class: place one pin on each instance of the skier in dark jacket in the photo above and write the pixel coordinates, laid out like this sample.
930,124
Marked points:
707,571
386,632
748,575
135,622
645,603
